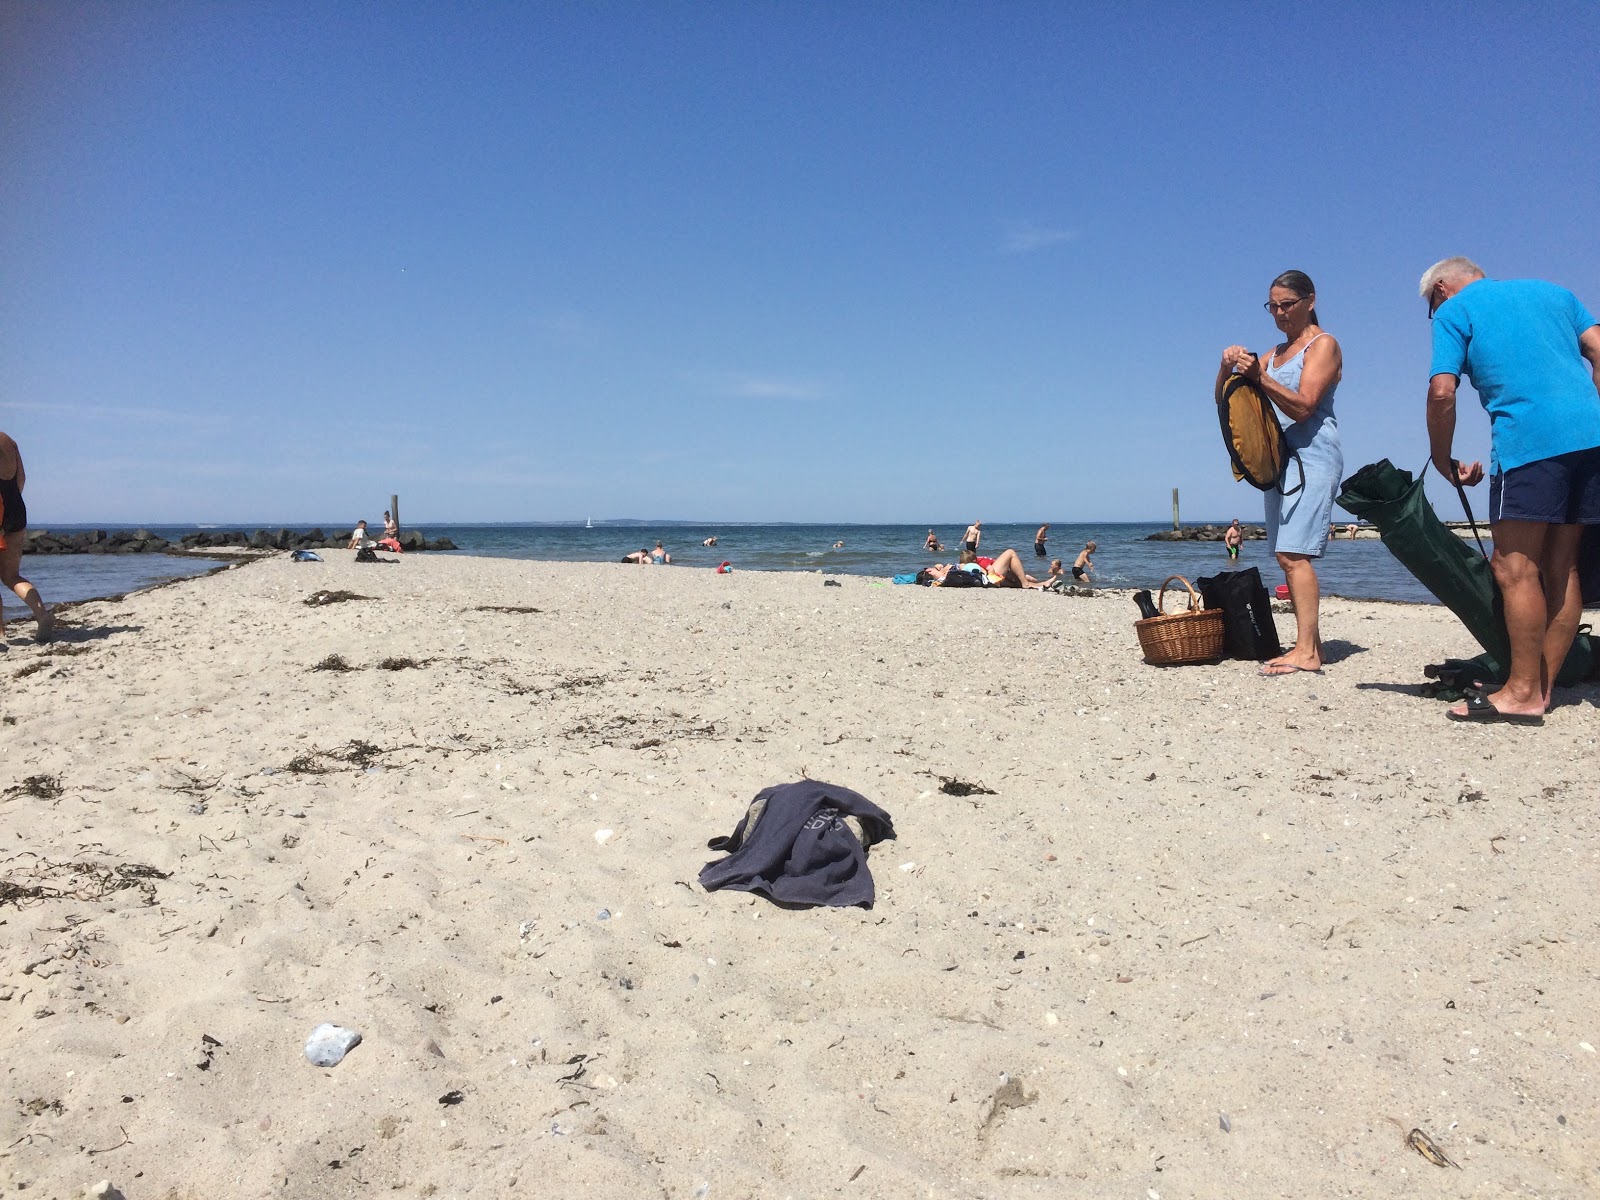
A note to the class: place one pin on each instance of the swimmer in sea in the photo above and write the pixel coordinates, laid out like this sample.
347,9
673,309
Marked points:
1039,538
660,557
1232,538
974,535
931,542
838,545
710,541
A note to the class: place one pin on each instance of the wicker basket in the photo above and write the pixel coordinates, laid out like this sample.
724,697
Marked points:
1194,636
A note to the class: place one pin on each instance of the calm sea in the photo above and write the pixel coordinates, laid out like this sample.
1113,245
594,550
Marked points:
1361,569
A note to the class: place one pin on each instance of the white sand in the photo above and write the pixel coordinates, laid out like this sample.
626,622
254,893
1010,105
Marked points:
1308,903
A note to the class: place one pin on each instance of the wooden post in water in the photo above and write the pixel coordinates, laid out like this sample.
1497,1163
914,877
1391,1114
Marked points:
1175,525
394,510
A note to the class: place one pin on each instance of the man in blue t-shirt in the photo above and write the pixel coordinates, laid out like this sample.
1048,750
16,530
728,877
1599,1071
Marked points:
1532,353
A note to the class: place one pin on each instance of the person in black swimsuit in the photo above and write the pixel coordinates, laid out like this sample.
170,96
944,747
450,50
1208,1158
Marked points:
13,523
1038,540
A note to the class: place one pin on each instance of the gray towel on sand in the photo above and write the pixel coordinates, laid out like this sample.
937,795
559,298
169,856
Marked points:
803,844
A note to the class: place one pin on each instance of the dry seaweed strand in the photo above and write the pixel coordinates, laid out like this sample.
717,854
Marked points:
334,662
506,608
81,881
958,787
318,599
401,664
42,787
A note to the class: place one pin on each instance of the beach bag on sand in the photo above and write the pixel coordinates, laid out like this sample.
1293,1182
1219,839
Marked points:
366,554
1458,575
1257,447
1248,630
802,844
1171,640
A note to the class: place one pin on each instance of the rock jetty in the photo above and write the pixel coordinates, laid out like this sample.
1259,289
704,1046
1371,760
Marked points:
264,541
1206,533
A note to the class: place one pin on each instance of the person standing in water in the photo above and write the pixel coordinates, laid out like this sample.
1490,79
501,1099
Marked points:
973,535
1038,540
13,525
1299,376
1232,539
1084,566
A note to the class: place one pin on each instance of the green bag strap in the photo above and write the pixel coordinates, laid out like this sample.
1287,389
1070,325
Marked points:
1466,506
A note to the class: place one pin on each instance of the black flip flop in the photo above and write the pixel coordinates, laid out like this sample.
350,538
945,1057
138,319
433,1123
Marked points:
1479,709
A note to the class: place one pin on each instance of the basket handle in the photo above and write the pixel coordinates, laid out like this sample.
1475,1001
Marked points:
1194,598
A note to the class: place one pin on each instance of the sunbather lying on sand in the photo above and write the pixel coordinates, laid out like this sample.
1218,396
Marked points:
1004,571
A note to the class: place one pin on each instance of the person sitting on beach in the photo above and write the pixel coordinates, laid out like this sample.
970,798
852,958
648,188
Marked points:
13,524
1084,567
1005,571
1057,578
660,557
358,537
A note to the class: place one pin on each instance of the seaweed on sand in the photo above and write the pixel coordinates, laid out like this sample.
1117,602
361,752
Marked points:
334,662
42,787
318,599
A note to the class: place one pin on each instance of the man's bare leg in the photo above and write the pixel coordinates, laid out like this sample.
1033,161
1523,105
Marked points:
1563,599
1519,547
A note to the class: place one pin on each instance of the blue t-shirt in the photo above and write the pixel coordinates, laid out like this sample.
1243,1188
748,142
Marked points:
1517,341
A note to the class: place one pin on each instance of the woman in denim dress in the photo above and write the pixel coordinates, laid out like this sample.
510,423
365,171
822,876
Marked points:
1299,376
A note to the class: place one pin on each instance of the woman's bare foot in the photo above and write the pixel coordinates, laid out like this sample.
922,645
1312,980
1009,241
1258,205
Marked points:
45,626
1291,664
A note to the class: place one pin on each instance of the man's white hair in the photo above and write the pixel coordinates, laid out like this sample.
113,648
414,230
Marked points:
1448,268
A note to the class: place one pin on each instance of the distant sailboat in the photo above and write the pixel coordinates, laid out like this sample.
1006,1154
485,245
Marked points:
588,522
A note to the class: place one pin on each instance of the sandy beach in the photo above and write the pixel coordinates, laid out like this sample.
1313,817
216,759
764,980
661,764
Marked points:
1203,934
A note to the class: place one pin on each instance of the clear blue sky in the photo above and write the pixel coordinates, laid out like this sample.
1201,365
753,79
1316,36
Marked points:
854,261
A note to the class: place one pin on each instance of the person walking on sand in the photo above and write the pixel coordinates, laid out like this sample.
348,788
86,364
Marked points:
13,525
973,535
1299,376
1232,539
1083,567
1532,353
1038,540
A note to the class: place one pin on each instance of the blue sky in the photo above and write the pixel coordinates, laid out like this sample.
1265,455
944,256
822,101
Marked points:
852,261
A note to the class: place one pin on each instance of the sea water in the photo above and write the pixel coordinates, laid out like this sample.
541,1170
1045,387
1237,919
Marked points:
1360,569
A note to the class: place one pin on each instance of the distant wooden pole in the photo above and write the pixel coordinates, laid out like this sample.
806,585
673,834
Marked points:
1175,525
394,510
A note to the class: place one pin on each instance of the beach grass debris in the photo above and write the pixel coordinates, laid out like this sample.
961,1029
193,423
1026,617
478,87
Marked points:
518,609
959,787
394,663
358,754
334,662
321,598
84,881
40,787
32,668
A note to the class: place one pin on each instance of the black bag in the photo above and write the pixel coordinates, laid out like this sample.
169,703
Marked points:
365,554
1248,628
